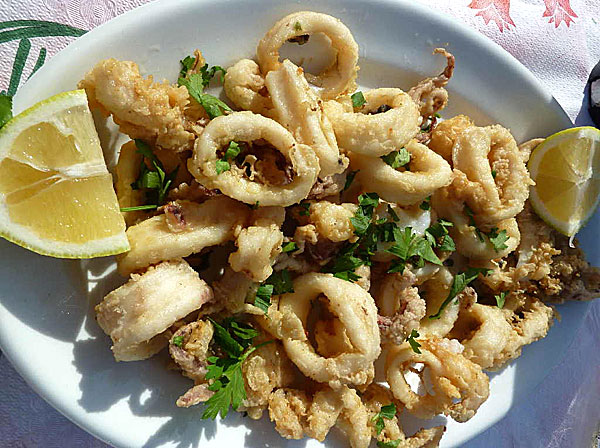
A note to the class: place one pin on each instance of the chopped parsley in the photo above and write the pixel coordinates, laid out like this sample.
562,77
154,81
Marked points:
197,82
255,205
426,204
472,223
390,444
413,342
362,218
225,374
393,213
289,247
305,211
262,299
155,180
232,151
278,283
358,99
410,247
459,283
178,341
501,298
494,174
5,108
349,179
388,412
297,26
437,235
498,238
396,159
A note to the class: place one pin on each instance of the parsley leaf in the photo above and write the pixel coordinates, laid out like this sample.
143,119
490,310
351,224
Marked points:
289,247
392,213
222,166
412,247
297,26
262,299
358,99
349,179
178,341
501,298
195,85
222,337
281,281
412,341
390,444
426,205
396,159
437,235
494,174
388,412
305,209
186,64
362,218
458,284
498,239
5,109
154,178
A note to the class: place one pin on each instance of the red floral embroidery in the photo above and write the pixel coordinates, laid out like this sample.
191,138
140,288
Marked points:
559,11
497,11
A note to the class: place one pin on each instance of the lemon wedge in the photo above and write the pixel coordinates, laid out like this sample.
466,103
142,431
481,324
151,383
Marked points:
566,170
56,194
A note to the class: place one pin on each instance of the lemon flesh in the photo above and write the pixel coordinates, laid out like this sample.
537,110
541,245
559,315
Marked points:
566,170
56,194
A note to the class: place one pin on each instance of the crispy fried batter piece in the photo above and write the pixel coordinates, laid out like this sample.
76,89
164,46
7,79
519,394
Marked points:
142,108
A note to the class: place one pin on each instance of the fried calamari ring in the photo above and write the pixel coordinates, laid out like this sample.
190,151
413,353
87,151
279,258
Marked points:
428,172
471,241
248,127
492,178
445,134
245,87
333,220
386,122
356,310
485,334
337,79
299,110
435,292
460,386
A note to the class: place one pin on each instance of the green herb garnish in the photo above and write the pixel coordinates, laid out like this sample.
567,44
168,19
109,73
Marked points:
388,412
178,341
498,238
138,207
458,284
396,159
501,298
413,342
289,247
153,179
358,99
349,179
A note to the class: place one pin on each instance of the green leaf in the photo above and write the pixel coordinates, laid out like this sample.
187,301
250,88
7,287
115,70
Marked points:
5,109
262,299
397,266
222,337
233,150
222,166
498,239
392,213
494,174
358,99
349,179
360,221
195,85
388,412
459,283
500,299
446,244
396,159
242,331
422,248
281,281
349,276
186,64
414,344
297,26
178,341
289,247
306,209
390,444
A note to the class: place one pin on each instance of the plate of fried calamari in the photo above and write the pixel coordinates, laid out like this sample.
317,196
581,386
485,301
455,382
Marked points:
330,227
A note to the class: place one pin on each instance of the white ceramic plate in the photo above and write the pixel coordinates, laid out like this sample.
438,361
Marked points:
47,326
